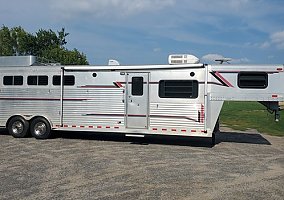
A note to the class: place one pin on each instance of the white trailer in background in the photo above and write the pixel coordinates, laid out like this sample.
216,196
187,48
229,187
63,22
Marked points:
179,99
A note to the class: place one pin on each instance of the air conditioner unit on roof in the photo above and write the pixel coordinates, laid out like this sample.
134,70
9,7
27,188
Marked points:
178,59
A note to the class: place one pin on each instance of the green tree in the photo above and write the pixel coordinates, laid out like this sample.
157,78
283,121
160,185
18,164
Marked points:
23,43
46,44
6,43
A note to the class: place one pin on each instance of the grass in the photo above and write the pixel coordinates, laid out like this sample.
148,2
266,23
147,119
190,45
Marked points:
244,115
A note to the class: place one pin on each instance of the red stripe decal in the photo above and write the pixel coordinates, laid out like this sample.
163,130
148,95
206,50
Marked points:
107,126
274,96
99,126
74,126
82,126
116,127
154,129
40,99
173,129
193,131
98,86
65,126
183,130
164,129
118,84
131,115
91,126
224,80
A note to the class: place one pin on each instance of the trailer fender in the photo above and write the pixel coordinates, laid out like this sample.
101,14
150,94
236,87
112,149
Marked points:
29,118
43,116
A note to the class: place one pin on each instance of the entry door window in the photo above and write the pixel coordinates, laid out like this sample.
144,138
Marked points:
137,86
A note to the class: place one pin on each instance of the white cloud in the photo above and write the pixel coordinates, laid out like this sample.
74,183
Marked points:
278,39
157,49
209,58
265,45
107,8
275,39
240,60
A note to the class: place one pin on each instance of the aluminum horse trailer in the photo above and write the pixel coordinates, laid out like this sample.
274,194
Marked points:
178,99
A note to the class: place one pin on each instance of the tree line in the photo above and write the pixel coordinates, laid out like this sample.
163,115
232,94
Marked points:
46,44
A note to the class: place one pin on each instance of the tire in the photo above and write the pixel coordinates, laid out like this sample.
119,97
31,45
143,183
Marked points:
18,127
40,128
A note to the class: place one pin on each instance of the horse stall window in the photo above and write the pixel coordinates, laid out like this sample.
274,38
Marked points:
253,80
37,80
67,80
13,80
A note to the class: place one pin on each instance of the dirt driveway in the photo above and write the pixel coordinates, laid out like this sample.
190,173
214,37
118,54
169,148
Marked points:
83,166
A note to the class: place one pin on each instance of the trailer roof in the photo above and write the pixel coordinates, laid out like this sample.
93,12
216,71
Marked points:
131,67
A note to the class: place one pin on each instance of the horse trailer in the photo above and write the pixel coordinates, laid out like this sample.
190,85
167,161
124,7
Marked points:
183,98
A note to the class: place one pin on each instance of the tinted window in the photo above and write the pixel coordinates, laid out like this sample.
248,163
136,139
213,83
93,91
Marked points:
37,80
178,89
253,80
18,80
68,80
137,86
56,80
13,80
42,80
8,80
32,80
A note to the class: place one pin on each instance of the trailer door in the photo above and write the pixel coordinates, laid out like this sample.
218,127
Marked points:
137,100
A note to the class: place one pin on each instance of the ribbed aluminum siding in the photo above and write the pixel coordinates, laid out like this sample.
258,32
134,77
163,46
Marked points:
29,102
184,115
95,107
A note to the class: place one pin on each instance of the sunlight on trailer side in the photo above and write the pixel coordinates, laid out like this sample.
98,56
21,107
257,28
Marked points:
182,99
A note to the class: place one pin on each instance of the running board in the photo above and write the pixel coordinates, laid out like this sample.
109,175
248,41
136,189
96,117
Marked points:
133,135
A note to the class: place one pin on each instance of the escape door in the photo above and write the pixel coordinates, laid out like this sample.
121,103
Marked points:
137,100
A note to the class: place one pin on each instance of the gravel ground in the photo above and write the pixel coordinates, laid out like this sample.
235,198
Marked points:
242,165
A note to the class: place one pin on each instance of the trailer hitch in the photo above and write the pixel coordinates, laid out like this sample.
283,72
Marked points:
272,107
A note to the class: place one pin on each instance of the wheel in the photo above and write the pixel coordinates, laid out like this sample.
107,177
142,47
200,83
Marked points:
40,128
18,127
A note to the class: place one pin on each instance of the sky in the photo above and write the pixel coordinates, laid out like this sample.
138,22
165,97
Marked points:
147,31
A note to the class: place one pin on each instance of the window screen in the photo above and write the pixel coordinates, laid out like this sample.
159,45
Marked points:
13,80
37,80
18,80
253,80
67,80
56,80
178,89
8,80
42,80
32,80
137,86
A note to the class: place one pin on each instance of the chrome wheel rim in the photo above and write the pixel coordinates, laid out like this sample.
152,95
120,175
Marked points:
17,127
40,128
